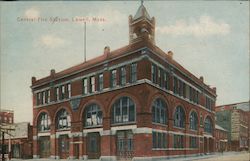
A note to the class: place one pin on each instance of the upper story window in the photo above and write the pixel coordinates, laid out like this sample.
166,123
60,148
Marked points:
154,73
100,82
63,120
57,93
176,85
68,90
166,80
133,72
92,84
122,75
179,117
93,115
113,81
43,97
43,122
160,77
85,86
208,127
193,142
62,90
193,120
208,103
159,111
123,110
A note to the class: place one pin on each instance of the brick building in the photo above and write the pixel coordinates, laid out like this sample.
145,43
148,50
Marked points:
20,140
221,141
134,102
6,116
235,119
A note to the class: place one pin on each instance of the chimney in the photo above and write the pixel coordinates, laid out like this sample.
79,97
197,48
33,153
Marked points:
52,72
170,54
201,78
214,88
106,50
33,80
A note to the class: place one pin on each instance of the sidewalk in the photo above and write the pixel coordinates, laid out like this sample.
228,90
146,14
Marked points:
226,156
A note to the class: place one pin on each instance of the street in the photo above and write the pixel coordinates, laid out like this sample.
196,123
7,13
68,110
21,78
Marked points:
226,156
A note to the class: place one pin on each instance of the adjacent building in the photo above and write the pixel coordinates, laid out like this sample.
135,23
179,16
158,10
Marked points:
235,119
135,102
20,140
221,141
6,116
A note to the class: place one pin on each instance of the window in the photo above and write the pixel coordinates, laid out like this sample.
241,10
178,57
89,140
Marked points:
93,115
193,121
159,140
159,111
123,110
133,77
57,94
48,96
91,84
100,82
166,80
176,82
187,92
43,122
193,142
208,104
113,78
208,125
62,88
153,73
43,97
160,77
68,90
63,119
85,86
179,117
122,76
178,141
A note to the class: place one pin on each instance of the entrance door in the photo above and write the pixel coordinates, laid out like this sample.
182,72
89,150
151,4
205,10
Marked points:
124,145
76,151
16,151
93,145
63,146
205,145
44,146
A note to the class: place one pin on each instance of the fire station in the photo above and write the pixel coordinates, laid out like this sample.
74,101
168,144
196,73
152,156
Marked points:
135,102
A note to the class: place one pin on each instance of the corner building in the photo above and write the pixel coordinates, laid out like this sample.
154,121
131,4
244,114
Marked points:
132,103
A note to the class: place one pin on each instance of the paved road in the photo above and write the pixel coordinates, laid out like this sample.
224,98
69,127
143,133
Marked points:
226,156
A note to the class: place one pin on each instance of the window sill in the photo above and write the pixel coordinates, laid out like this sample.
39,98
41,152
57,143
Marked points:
156,149
159,124
66,129
125,123
181,128
92,127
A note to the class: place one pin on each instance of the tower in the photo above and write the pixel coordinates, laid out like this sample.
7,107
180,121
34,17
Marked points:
141,26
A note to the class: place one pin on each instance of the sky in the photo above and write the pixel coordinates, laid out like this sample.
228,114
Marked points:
208,38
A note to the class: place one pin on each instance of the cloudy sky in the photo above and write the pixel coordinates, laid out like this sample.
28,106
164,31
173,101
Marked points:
210,39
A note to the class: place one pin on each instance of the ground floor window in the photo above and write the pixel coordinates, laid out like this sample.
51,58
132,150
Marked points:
159,140
193,142
178,141
44,146
124,144
64,146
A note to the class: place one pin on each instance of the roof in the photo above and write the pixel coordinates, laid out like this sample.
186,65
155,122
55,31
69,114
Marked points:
220,128
241,105
142,12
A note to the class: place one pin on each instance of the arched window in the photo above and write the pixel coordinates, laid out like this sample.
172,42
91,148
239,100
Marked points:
179,117
208,125
193,120
93,115
159,111
63,120
123,110
43,122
